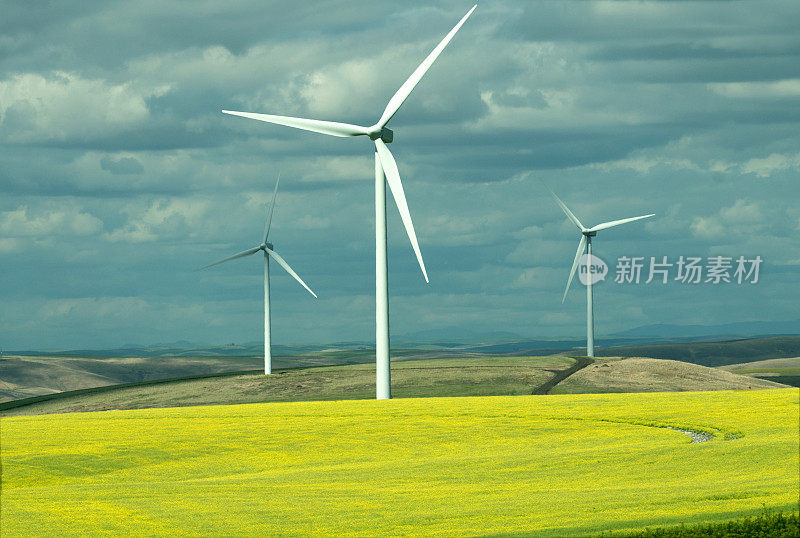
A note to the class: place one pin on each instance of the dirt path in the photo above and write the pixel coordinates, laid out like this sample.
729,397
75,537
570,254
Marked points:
697,437
561,375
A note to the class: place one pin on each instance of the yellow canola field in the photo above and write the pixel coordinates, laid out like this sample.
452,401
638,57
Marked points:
508,465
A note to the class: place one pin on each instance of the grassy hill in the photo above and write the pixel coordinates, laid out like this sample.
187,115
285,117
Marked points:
22,376
476,376
560,465
655,375
36,374
786,370
411,378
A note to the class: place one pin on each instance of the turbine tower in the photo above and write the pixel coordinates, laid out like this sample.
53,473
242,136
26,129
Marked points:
269,252
586,243
385,171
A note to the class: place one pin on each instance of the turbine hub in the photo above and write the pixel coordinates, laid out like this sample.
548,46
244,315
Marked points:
385,134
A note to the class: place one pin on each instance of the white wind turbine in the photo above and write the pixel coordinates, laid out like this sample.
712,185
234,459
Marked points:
586,243
268,252
385,171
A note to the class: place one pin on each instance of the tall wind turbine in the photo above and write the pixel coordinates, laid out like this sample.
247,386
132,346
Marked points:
267,248
586,243
385,171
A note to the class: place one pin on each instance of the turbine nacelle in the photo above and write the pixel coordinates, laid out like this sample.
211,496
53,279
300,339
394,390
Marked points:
266,246
384,133
588,233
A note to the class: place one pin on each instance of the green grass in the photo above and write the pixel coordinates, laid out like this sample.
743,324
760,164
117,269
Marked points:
779,371
509,465
470,376
775,525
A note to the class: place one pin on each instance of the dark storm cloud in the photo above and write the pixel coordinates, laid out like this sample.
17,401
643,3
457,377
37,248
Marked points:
119,175
618,21
90,36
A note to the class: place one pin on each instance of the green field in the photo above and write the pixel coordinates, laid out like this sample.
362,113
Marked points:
506,465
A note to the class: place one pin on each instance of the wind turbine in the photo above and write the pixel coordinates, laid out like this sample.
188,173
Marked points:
385,171
267,248
586,243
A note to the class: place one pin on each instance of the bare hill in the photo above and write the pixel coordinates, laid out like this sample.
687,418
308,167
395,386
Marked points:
25,376
486,376
637,374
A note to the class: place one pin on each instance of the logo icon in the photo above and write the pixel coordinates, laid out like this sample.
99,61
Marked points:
591,269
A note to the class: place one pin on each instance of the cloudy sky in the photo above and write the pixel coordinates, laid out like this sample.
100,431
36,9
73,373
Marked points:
119,176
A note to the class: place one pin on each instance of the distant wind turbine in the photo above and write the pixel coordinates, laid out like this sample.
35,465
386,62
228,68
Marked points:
586,243
385,171
268,252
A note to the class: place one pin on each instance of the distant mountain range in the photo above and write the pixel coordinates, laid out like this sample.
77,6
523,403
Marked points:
459,337
741,329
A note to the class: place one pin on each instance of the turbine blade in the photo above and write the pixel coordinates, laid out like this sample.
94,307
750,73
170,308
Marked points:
581,246
234,257
569,213
396,186
405,90
289,270
613,223
268,222
318,126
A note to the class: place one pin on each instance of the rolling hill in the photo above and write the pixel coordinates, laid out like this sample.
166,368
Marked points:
37,374
786,370
417,378
655,375
479,376
23,376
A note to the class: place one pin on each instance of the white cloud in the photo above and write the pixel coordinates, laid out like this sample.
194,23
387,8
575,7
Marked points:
742,215
337,92
455,230
764,167
761,166
50,220
163,219
707,227
64,106
742,211
564,109
739,90
86,308
644,165
540,278
9,244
